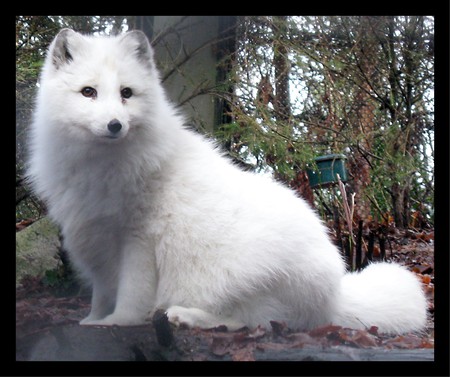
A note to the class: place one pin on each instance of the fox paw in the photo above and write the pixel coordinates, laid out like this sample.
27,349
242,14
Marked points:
193,317
178,316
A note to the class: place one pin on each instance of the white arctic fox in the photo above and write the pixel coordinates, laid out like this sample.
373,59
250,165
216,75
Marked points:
153,216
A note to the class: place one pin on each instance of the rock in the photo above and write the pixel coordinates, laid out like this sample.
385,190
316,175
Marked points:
37,249
87,343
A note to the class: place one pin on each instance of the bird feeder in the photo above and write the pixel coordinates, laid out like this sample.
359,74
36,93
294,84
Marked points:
324,174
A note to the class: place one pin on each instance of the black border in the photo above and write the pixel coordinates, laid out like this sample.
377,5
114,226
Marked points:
438,9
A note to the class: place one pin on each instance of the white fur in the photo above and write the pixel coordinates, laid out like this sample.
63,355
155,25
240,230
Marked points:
157,218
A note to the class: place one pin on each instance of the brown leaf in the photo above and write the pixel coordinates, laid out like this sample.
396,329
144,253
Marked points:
364,339
299,340
220,346
244,354
324,330
373,330
273,346
257,333
408,341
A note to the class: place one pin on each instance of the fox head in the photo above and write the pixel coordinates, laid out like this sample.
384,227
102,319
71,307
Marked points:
98,87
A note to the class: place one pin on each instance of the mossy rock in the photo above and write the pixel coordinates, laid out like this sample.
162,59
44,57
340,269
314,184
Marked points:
37,249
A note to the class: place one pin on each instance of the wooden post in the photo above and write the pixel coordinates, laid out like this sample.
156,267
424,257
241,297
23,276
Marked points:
371,245
359,246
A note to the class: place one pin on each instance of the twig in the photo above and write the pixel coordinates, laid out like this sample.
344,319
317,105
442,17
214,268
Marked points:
348,210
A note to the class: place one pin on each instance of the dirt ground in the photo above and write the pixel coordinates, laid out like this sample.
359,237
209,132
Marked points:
47,328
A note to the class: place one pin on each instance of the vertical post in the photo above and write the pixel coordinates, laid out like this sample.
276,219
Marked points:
382,241
190,50
337,226
359,246
371,245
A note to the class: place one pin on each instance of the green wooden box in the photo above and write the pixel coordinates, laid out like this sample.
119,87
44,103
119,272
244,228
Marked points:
327,168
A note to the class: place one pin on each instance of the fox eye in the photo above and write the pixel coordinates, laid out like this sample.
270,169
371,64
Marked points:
126,93
89,92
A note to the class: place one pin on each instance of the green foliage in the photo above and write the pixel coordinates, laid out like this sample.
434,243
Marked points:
362,86
61,280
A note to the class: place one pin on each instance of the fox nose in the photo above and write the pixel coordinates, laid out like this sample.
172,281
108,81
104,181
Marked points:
114,126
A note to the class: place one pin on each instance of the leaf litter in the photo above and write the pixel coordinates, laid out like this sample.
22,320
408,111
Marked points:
38,309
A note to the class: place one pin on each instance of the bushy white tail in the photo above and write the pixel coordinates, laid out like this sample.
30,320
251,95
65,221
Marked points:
385,295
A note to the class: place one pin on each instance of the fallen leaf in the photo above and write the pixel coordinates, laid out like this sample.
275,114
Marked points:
364,339
257,333
324,330
407,341
220,346
299,340
373,330
243,354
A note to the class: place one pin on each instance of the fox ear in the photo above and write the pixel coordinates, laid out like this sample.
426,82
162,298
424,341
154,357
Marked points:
62,48
140,45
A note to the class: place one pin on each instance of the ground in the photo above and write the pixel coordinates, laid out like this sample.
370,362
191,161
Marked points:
47,328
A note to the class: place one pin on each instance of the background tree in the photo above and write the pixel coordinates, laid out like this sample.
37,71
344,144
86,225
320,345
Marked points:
359,85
